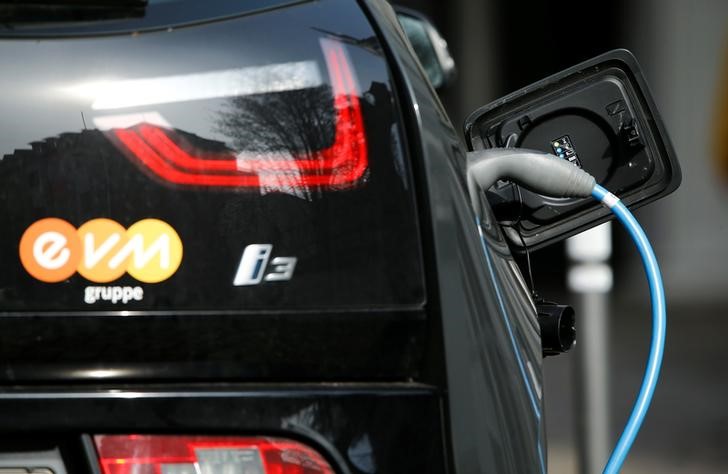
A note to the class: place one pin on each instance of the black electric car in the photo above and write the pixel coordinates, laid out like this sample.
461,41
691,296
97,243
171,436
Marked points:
236,238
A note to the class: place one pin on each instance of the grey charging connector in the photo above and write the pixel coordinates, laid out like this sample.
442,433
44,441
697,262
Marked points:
537,171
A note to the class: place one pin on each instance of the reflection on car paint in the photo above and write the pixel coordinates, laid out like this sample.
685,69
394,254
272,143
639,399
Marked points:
302,166
268,79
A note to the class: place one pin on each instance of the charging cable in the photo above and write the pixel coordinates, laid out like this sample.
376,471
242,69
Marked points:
552,176
659,322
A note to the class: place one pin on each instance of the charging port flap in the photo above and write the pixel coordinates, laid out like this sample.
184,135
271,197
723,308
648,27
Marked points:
599,116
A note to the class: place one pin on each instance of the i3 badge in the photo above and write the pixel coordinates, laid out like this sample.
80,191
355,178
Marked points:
254,266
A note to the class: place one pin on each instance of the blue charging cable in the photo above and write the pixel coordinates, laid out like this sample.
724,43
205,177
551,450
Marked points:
556,177
659,320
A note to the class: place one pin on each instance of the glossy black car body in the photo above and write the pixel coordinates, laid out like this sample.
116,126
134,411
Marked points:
427,360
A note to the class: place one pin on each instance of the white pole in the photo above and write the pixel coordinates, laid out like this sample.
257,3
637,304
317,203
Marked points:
590,277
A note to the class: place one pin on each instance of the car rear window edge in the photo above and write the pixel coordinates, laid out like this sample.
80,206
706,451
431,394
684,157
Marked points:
84,30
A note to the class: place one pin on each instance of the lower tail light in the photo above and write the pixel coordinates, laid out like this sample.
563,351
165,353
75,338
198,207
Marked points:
145,454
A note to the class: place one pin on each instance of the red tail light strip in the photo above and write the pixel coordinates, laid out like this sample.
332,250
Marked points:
143,454
344,162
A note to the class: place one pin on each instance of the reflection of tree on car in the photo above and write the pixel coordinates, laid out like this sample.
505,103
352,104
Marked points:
284,124
288,125
294,121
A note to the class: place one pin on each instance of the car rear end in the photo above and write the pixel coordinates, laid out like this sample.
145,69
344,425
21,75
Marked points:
211,251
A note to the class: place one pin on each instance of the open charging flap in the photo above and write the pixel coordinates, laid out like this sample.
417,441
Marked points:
599,115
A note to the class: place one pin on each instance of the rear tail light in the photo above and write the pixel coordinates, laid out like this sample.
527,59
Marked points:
341,164
143,454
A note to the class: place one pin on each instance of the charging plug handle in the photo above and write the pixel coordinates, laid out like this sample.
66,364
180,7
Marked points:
535,170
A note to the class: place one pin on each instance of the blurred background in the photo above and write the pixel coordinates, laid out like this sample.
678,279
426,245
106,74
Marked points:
500,46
